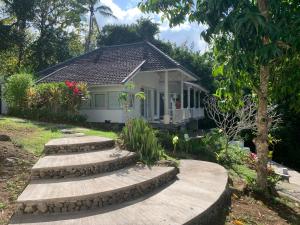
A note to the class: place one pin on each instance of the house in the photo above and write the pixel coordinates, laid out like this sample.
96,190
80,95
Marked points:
172,93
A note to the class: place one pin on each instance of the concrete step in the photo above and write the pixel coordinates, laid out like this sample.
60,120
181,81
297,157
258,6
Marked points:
199,196
80,193
77,144
82,164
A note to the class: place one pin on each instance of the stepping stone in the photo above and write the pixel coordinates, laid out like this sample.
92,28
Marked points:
82,164
77,144
199,196
80,193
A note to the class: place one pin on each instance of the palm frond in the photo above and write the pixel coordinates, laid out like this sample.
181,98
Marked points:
104,8
107,14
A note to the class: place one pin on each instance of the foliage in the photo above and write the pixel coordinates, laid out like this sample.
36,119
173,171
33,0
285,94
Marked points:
16,89
45,101
251,39
143,29
139,136
89,6
38,33
126,98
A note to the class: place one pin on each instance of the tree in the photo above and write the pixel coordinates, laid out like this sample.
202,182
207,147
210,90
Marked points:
90,7
255,37
22,12
143,29
57,23
233,121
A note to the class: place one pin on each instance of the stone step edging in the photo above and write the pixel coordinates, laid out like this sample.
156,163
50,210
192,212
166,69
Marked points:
97,200
81,147
83,170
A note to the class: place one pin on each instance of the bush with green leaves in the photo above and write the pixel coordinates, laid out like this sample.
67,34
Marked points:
16,88
56,102
140,137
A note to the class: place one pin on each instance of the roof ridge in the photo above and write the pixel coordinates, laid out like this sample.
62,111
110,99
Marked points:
164,54
87,53
176,63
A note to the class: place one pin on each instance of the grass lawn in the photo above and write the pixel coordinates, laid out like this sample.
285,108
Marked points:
32,135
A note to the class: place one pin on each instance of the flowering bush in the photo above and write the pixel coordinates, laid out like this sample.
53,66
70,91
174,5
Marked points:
47,101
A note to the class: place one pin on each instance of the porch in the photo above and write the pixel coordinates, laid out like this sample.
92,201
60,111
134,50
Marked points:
174,100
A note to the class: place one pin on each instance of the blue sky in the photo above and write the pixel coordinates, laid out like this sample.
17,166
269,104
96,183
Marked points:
127,12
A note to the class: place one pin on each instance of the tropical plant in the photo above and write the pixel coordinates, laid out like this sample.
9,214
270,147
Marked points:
140,137
126,98
16,88
90,7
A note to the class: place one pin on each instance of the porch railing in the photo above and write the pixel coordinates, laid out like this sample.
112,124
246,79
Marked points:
181,115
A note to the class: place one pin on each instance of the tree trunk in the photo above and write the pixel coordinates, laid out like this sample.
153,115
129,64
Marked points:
261,141
88,40
21,44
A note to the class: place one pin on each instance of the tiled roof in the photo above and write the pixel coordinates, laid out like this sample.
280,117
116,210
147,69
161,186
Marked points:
111,64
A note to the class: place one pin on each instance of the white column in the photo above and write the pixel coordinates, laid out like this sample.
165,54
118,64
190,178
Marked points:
199,101
181,93
194,97
166,99
189,97
158,103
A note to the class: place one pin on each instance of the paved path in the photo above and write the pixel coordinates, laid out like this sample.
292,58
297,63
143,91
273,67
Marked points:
292,188
195,194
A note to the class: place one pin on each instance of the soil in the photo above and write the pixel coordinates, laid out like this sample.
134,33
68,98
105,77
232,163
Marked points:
254,210
15,165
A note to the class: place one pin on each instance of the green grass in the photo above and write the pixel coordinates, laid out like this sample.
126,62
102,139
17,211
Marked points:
32,135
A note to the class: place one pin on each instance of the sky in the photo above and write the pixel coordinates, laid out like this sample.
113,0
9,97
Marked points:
127,12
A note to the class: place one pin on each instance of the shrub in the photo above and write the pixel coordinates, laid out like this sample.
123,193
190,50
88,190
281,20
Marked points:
56,102
16,89
233,156
140,137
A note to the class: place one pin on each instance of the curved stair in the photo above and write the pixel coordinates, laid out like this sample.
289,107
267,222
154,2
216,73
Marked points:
81,164
132,194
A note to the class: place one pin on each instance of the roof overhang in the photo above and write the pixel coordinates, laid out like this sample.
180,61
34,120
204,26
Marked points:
198,86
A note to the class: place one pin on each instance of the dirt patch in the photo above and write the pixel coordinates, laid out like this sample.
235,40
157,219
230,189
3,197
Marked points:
250,210
15,165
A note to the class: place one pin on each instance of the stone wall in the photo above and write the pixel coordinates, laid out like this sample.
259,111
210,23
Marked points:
84,170
97,200
84,147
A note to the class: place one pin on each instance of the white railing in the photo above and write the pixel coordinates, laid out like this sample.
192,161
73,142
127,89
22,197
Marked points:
177,116
197,113
181,115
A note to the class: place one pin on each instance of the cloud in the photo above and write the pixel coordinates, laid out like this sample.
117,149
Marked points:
185,33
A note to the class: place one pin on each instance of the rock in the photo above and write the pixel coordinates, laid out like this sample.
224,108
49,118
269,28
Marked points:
4,137
42,207
28,209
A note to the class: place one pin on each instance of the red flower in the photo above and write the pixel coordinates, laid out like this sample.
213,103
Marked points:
76,90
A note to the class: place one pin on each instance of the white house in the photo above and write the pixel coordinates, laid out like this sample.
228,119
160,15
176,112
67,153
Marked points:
172,92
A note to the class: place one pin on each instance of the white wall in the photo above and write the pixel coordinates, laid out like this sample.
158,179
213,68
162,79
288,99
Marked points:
100,115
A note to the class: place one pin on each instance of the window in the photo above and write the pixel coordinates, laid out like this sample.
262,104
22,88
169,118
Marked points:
86,104
113,100
99,100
